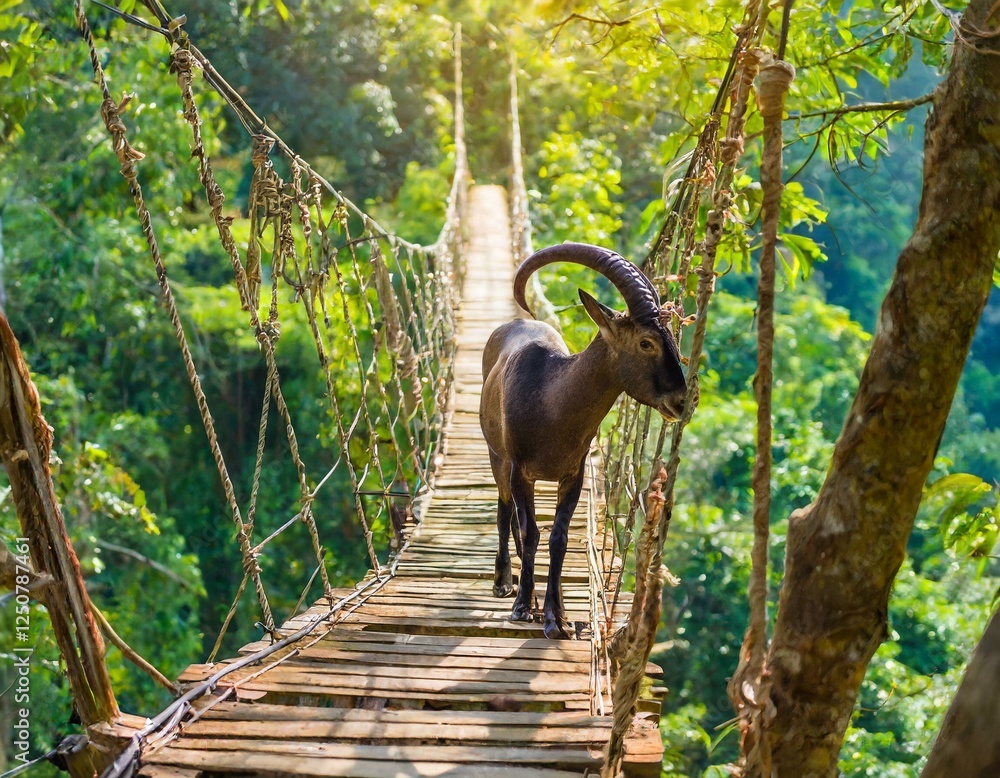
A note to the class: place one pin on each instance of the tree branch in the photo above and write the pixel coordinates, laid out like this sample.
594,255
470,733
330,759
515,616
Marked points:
130,653
607,22
894,106
159,567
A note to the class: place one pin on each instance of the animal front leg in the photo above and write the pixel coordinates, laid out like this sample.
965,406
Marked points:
503,584
569,496
523,494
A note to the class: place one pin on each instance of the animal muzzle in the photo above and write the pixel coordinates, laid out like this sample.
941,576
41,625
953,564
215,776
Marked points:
670,414
672,408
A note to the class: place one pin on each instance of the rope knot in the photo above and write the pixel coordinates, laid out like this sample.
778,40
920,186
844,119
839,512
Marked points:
268,332
286,239
126,153
216,197
183,63
747,73
262,145
340,215
111,113
672,311
774,81
705,274
730,150
251,565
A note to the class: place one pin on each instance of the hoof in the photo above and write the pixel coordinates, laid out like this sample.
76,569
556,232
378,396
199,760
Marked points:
520,612
503,590
556,630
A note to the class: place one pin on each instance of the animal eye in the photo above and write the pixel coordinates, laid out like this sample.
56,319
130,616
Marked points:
646,345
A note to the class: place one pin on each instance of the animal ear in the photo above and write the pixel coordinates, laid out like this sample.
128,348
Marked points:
603,316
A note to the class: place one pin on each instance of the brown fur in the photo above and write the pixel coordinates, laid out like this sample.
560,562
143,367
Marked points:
540,409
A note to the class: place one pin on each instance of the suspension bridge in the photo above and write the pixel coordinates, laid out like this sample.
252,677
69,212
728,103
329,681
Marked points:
417,670
424,674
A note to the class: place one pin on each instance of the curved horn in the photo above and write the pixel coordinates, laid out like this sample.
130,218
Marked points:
640,296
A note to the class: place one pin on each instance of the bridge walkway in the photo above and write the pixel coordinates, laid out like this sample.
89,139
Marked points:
427,676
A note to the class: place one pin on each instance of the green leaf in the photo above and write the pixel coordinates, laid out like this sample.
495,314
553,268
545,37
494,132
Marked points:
805,251
956,483
653,211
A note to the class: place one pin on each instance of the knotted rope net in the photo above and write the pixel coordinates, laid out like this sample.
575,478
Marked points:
387,382
636,451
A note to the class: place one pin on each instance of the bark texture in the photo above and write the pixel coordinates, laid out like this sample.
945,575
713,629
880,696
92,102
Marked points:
844,550
25,446
968,744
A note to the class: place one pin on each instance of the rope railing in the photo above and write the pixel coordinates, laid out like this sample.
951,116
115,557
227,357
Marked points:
637,450
520,218
380,313
749,679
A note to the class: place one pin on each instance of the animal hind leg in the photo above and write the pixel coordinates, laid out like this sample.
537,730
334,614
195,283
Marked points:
503,584
569,496
523,493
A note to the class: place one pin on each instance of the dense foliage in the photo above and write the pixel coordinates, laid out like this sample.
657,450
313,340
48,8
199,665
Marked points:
610,105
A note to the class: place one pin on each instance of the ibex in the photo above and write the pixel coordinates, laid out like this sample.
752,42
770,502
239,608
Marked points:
541,407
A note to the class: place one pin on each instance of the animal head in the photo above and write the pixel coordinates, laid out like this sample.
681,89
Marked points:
643,353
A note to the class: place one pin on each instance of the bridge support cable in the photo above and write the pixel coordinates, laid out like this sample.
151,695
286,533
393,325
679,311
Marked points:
520,217
128,156
749,688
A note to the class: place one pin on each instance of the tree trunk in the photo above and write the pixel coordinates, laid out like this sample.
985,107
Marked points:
844,550
25,448
3,266
967,744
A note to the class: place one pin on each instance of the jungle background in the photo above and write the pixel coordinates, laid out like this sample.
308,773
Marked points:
611,99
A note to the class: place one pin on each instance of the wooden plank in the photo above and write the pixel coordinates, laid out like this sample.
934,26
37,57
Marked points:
509,755
264,764
500,698
338,657
434,569
341,731
459,652
445,587
374,612
340,633
167,771
558,677
481,598
237,711
234,711
425,680
443,627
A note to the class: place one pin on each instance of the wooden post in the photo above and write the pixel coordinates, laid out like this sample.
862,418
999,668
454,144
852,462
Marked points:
25,446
